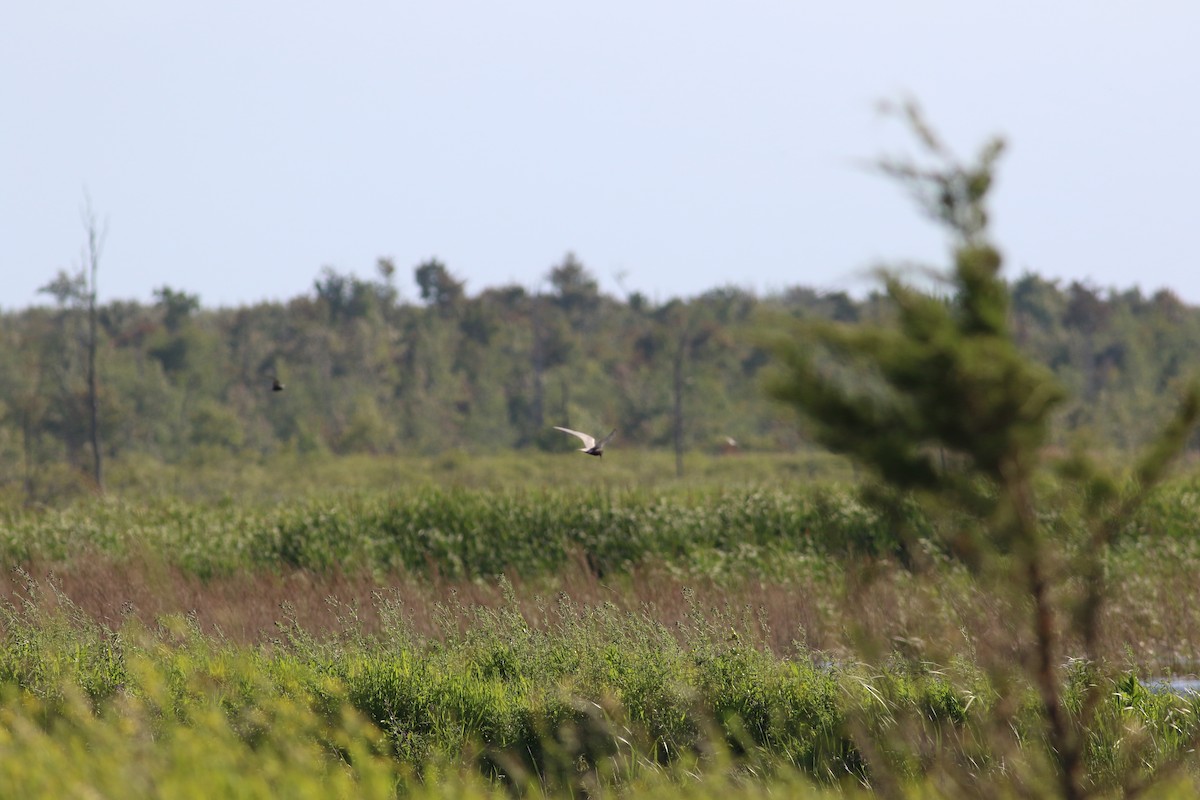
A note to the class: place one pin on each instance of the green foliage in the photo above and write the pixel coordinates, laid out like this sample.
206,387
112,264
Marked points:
486,372
938,400
215,426
945,375
565,700
462,532
556,696
471,533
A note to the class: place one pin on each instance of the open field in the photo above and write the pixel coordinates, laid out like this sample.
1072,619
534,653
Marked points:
700,637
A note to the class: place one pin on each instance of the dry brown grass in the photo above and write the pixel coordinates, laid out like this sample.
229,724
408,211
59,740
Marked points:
249,608
891,606
868,612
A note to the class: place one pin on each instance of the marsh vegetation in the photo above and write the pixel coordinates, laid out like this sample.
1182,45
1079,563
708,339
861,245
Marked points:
941,592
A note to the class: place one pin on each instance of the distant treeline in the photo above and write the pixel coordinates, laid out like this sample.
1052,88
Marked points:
364,370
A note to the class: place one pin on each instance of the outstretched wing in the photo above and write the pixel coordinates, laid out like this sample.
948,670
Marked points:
606,439
588,441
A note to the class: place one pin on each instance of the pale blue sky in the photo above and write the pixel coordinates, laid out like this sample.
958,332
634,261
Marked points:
237,148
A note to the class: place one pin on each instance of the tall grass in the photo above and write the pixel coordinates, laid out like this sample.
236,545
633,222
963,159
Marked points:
526,694
460,532
584,699
252,478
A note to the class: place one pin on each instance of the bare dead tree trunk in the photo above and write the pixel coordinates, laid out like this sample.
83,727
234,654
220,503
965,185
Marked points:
95,243
538,362
27,434
565,386
680,356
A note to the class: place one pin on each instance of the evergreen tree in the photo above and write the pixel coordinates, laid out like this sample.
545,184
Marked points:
946,376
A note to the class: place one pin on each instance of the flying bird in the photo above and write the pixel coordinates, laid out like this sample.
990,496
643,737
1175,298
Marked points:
276,386
590,445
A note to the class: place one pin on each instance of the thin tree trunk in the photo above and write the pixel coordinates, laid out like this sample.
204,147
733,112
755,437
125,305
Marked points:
1047,641
94,246
538,411
678,410
27,450
566,401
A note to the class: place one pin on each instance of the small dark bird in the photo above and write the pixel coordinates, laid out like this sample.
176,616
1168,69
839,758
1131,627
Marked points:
276,386
590,445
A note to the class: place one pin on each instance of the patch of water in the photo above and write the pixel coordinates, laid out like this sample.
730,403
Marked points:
1179,686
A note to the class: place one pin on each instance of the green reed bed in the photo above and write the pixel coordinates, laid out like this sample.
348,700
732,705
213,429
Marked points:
459,532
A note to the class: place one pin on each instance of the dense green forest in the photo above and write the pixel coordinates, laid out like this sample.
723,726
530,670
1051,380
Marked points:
368,371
